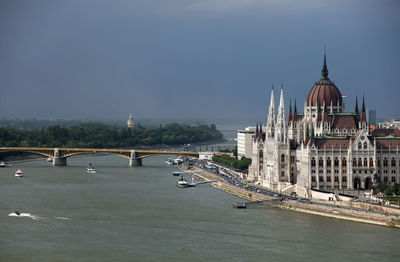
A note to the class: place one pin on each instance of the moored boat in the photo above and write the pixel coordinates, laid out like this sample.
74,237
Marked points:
239,205
181,182
19,173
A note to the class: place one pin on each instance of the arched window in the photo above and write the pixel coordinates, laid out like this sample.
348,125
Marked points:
328,162
261,154
378,162
393,162
365,162
365,145
321,162
354,161
359,145
359,162
371,162
282,158
385,162
336,162
344,161
313,161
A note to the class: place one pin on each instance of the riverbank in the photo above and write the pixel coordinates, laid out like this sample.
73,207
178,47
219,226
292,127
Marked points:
361,212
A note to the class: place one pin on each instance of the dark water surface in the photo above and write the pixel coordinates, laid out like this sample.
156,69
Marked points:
138,214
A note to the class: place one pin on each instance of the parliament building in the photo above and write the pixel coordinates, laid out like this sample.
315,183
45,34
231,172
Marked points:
324,148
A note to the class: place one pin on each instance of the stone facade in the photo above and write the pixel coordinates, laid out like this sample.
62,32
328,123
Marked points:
325,148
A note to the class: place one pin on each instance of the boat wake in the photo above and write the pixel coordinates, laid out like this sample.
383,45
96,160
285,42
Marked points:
64,218
34,217
24,215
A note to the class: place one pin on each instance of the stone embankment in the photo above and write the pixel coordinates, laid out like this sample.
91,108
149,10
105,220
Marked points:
353,211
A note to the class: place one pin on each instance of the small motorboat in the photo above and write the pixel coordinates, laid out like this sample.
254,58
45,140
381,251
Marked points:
90,169
239,205
50,159
19,173
176,173
181,182
2,164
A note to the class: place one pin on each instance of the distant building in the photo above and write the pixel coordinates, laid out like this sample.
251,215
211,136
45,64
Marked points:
371,117
130,122
325,148
392,124
244,142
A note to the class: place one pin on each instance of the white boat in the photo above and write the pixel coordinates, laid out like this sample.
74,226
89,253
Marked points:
50,159
19,173
2,164
169,161
181,182
90,169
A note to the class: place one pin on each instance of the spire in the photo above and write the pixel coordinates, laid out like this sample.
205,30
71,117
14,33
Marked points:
290,111
295,111
363,114
272,103
324,71
356,109
281,102
271,116
363,106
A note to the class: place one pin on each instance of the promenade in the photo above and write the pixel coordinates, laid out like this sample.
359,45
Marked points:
357,212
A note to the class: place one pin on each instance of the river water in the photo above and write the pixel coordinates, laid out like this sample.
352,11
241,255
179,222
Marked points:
138,214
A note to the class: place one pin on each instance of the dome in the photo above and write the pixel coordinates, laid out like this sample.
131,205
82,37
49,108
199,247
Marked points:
324,91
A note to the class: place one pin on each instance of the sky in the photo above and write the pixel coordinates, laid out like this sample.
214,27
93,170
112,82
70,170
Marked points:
97,59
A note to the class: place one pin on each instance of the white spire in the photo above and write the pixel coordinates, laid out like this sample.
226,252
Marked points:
281,125
271,115
281,104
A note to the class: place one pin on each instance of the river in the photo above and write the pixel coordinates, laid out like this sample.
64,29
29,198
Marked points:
138,214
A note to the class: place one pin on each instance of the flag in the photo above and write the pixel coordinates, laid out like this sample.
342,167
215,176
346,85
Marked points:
344,96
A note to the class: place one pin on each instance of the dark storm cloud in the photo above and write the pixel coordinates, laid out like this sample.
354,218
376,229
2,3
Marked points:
219,58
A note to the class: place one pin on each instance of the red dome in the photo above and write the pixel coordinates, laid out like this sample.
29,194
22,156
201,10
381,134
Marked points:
323,93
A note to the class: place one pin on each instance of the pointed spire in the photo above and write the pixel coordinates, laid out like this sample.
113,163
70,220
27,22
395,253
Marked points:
356,108
270,126
363,106
295,111
290,111
324,71
272,103
363,113
281,102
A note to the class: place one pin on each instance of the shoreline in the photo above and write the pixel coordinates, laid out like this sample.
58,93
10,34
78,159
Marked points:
336,211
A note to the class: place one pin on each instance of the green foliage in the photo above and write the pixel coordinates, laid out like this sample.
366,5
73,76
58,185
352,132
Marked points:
96,135
390,190
227,160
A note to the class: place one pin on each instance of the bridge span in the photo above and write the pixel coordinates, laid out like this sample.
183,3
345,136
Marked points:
135,157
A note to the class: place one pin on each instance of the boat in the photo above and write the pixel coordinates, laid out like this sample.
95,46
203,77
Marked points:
169,161
176,173
19,173
50,159
2,164
90,169
239,205
181,182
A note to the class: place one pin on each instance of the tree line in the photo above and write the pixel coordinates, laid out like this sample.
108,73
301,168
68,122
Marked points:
98,135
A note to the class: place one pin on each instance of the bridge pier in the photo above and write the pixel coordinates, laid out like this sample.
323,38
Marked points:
59,161
135,162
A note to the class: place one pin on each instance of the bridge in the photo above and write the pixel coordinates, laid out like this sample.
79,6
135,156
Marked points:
135,157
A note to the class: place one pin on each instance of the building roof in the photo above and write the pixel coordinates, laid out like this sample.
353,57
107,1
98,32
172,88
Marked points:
387,142
385,132
332,142
348,121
